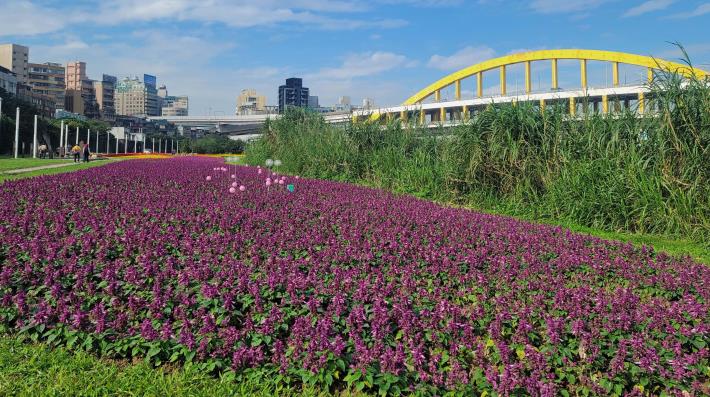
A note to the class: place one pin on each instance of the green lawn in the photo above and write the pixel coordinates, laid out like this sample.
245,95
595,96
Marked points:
37,370
50,171
7,164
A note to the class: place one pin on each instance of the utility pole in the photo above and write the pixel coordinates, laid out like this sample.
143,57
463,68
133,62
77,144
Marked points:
34,140
17,130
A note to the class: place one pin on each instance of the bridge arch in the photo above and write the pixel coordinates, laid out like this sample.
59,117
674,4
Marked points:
553,55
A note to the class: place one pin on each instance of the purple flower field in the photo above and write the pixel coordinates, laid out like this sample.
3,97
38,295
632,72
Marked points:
341,286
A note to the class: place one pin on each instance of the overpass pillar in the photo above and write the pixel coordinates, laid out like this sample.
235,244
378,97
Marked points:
642,105
403,115
605,104
437,96
572,106
458,90
542,105
422,116
464,113
615,73
442,115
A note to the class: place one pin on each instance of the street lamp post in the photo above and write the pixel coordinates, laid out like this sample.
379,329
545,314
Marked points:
34,140
77,135
17,130
61,139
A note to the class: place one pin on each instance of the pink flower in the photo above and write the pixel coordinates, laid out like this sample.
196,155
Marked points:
232,190
234,176
242,188
209,177
235,184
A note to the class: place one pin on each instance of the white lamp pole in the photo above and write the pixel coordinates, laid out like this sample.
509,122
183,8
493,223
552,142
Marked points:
61,139
34,140
17,130
88,137
77,135
97,141
108,142
116,144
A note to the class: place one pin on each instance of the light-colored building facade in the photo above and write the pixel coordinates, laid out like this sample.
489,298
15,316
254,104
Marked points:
175,106
134,98
8,81
15,58
250,102
48,79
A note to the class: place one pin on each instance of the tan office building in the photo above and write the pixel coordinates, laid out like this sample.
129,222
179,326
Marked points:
250,102
15,58
135,98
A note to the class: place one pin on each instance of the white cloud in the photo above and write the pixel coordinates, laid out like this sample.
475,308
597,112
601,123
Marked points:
25,18
564,6
700,10
465,57
648,6
363,65
242,13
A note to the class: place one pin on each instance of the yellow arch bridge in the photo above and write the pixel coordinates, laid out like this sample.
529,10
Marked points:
437,111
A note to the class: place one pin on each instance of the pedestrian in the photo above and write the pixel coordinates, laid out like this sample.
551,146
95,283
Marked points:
76,151
86,153
42,151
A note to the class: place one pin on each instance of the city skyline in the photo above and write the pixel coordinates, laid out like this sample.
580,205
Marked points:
384,50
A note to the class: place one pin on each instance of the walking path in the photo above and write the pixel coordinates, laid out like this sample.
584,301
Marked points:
43,167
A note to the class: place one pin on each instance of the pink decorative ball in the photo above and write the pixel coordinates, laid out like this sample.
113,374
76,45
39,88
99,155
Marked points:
234,176
259,171
297,177
209,178
242,188
281,181
235,184
232,190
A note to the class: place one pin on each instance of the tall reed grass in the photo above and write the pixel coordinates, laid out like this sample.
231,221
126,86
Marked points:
623,171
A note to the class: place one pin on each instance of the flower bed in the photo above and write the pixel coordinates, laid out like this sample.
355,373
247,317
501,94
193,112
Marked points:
341,286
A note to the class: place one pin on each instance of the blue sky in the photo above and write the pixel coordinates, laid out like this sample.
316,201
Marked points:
384,49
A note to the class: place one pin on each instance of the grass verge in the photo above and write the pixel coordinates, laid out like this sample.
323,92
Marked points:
37,370
8,164
49,171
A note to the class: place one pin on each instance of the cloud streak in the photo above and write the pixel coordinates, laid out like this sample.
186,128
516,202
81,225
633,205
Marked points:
648,6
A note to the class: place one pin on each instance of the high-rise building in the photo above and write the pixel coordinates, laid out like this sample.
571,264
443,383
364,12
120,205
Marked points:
313,101
293,93
250,102
80,97
15,58
105,96
344,101
8,81
48,79
368,103
135,98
